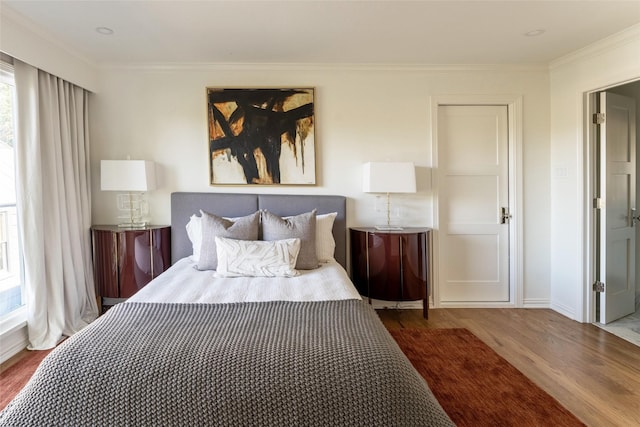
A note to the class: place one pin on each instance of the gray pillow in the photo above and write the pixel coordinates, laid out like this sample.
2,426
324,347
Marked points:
243,228
302,227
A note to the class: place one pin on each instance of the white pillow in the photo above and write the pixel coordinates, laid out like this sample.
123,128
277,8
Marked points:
325,243
238,258
194,231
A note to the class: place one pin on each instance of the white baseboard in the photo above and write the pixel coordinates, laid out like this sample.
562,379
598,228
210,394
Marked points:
536,303
564,310
417,305
13,342
477,305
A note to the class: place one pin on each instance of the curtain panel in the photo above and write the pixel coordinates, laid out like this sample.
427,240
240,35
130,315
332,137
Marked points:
54,204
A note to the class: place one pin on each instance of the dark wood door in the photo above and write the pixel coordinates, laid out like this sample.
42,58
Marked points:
134,250
414,266
105,263
385,266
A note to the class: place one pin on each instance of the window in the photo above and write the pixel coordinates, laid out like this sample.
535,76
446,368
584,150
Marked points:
11,277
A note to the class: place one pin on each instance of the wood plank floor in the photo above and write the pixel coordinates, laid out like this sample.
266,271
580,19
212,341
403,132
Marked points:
594,374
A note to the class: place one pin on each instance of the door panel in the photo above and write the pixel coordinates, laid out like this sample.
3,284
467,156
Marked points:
473,172
479,127
414,268
481,192
618,190
481,269
384,266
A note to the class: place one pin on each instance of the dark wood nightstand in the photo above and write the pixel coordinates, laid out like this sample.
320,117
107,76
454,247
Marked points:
391,265
125,260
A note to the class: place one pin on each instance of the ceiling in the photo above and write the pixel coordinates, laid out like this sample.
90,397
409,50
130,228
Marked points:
328,32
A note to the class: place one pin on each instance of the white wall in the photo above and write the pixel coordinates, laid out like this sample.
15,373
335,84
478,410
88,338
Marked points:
362,114
608,63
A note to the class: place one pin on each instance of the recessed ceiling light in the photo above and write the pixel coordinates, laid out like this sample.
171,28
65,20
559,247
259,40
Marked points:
105,31
534,33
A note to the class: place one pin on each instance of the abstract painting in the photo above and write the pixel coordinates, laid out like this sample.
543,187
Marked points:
261,136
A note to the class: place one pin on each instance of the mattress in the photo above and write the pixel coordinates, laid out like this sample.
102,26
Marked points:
183,283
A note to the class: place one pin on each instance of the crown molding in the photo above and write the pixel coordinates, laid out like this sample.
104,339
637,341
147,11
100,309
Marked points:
229,66
629,35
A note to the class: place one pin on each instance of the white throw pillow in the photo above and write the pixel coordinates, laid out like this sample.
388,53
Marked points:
325,243
194,231
257,258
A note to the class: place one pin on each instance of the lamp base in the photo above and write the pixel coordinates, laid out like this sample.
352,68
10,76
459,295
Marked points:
388,226
134,209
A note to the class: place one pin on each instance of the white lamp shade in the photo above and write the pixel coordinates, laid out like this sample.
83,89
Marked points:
389,177
127,175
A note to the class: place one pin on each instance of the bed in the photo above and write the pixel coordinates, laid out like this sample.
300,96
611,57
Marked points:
217,347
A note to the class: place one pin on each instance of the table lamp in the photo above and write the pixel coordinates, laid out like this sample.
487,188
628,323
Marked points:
134,178
389,177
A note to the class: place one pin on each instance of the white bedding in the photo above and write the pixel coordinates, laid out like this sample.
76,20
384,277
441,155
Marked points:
182,283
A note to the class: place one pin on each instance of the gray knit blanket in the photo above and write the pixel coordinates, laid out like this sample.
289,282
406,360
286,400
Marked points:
328,363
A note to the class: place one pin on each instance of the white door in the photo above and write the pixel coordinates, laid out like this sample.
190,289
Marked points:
473,194
618,192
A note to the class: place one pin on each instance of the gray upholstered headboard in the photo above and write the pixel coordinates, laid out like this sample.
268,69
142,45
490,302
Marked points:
183,205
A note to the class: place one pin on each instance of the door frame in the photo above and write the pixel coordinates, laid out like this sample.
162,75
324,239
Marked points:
514,114
590,179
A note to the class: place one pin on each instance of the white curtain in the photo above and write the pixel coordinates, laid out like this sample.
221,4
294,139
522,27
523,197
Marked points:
54,204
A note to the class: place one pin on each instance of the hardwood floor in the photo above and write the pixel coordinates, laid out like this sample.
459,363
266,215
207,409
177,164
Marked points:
594,374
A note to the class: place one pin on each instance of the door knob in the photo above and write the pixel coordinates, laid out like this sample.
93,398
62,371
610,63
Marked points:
633,217
505,216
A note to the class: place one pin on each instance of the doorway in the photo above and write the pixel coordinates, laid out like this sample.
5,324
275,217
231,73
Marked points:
477,158
615,232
